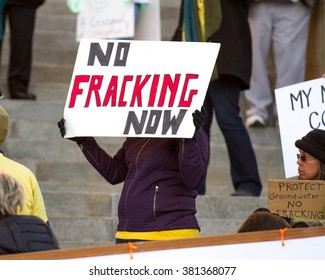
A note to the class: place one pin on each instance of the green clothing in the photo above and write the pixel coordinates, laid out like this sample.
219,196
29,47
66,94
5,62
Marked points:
201,19
213,17
2,3
197,13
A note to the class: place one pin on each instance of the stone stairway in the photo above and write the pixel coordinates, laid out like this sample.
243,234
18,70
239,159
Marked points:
81,205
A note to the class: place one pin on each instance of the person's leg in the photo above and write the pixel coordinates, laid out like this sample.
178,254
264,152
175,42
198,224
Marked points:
243,165
290,37
206,127
2,22
21,22
259,95
2,3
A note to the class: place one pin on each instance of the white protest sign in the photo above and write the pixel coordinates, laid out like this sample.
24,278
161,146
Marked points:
138,88
105,19
301,108
295,249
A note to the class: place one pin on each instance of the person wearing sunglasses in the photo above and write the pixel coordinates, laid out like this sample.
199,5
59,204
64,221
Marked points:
311,157
311,166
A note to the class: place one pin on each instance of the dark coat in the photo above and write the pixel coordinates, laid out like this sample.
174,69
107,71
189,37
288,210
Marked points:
160,176
235,55
26,3
20,234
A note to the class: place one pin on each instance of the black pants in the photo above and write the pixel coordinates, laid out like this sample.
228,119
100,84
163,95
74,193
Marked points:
222,99
21,24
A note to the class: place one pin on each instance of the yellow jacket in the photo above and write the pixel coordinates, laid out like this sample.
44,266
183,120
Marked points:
34,202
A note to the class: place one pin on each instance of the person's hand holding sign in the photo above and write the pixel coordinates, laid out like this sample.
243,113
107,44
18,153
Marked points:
61,126
199,118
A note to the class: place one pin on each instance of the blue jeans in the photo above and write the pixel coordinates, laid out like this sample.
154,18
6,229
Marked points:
222,98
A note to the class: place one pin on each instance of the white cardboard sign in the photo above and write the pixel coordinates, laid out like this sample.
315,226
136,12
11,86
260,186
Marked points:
138,88
301,108
294,249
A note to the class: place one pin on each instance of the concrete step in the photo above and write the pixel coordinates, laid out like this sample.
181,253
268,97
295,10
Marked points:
22,147
82,187
100,204
78,204
90,218
83,231
76,233
211,227
227,207
79,172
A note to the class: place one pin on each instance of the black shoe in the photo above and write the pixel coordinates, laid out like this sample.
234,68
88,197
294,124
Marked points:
243,193
1,95
23,95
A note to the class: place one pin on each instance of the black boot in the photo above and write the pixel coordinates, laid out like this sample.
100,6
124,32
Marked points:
22,95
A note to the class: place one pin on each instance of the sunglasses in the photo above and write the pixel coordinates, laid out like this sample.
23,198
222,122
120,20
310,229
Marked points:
303,157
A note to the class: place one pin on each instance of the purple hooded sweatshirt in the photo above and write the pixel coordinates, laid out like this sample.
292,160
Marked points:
160,176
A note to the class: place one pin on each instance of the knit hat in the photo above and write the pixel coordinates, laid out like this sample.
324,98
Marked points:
4,125
314,144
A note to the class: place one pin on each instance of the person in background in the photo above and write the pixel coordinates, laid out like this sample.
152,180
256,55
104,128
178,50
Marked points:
311,157
22,17
283,27
34,202
311,166
225,22
75,6
2,3
161,177
262,219
20,234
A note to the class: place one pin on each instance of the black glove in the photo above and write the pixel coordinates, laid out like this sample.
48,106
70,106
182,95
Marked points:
199,117
61,126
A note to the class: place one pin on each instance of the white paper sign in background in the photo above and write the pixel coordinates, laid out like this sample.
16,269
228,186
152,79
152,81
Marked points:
301,108
105,19
138,88
113,19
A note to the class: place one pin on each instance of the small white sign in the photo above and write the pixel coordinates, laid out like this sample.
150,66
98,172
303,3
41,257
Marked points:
301,108
110,19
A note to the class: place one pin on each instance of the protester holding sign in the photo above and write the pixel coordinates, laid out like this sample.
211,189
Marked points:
302,201
311,157
161,177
